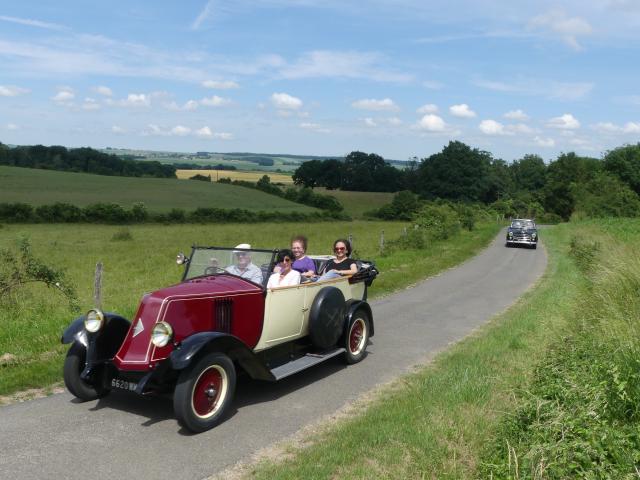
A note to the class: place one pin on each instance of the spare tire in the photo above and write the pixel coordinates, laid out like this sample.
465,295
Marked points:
326,317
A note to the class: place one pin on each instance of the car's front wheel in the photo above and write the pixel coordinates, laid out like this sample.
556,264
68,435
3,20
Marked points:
73,366
204,392
357,338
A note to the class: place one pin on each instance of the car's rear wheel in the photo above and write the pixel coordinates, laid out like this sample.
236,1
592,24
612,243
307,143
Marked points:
73,367
204,392
357,338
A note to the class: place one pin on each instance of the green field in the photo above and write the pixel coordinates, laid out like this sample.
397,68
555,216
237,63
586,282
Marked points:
32,320
41,187
357,203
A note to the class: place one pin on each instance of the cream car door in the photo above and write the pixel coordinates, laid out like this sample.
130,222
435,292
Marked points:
283,315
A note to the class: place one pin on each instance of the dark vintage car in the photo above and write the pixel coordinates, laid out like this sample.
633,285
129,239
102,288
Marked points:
195,337
522,231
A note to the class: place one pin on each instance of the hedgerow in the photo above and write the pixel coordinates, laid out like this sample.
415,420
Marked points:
112,213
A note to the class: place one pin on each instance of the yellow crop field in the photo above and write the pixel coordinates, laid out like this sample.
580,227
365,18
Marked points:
237,175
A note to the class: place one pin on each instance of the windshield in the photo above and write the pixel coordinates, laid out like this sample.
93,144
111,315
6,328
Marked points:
253,265
523,224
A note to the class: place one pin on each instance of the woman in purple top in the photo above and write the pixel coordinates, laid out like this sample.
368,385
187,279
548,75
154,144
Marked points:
302,263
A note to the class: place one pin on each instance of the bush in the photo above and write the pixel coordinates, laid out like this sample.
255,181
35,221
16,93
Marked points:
16,212
60,213
106,213
202,178
403,207
438,221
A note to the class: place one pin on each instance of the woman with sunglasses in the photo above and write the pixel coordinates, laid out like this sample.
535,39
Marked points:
286,276
342,264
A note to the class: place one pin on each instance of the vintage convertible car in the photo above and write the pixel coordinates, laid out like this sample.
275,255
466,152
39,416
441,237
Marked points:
522,231
193,338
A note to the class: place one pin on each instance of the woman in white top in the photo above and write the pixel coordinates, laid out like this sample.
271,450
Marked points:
286,276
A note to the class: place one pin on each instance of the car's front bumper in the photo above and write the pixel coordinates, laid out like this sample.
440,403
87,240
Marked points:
521,241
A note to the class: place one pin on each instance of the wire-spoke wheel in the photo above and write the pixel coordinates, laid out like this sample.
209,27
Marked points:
203,393
357,338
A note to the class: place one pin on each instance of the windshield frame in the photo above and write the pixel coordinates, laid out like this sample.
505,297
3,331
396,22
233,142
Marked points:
196,248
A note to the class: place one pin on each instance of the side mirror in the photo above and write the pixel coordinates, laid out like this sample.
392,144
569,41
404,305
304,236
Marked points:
181,259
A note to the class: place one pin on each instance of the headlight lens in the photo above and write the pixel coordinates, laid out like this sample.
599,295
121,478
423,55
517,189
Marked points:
534,235
94,320
161,334
510,234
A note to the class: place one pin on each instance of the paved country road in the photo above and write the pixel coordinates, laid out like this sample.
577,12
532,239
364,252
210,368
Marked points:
124,436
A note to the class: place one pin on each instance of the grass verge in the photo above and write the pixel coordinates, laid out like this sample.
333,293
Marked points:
141,259
436,423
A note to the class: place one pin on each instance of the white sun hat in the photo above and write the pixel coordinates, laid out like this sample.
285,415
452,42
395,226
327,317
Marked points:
242,246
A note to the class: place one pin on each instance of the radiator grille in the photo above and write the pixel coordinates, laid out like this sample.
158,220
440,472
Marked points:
223,314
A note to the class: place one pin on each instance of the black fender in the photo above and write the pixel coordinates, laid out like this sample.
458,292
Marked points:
189,351
354,305
101,345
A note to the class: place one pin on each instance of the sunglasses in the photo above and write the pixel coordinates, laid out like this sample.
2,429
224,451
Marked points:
339,249
286,259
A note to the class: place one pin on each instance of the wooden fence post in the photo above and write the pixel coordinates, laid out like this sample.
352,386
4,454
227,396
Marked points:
97,287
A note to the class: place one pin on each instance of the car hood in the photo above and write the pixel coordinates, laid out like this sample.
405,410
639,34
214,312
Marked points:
137,352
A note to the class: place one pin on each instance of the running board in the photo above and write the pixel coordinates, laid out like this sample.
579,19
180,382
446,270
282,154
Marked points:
309,360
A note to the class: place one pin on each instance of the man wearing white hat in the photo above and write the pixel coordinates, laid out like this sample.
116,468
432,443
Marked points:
243,267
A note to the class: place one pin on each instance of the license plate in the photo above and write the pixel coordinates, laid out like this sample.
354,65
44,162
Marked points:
123,384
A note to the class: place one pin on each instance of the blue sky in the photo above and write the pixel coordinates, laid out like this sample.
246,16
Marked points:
399,78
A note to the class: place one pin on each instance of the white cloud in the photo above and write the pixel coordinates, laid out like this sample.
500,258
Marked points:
491,127
286,101
204,15
520,128
370,122
567,28
462,111
385,104
349,64
215,101
136,100
32,23
102,90
314,127
117,130
12,91
220,84
190,105
567,91
90,104
204,132
544,142
432,85
608,127
564,122
12,126
180,131
394,121
64,96
428,108
516,115
431,123
223,136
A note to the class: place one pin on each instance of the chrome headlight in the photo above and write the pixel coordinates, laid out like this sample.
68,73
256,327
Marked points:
534,235
161,334
510,234
94,320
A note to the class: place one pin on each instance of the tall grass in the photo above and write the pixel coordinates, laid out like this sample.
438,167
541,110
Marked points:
580,416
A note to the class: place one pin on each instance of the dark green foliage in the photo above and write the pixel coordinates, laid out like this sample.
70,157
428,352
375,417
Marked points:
360,172
84,159
403,207
19,267
624,162
438,221
139,212
59,213
16,212
529,173
606,196
176,215
202,178
106,213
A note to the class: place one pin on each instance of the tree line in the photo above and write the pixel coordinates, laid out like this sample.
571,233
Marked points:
609,186
86,160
